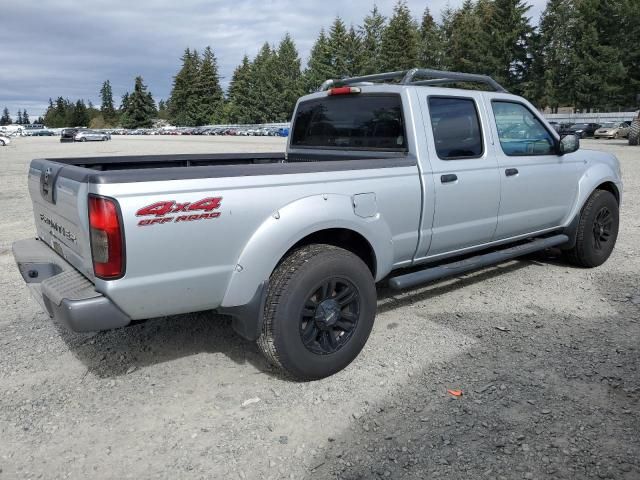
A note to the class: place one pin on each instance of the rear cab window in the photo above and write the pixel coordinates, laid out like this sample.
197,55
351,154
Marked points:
456,127
351,122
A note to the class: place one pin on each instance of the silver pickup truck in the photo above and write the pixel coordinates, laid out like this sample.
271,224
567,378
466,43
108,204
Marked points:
392,177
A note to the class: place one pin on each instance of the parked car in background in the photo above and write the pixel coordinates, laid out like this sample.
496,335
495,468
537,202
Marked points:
582,130
4,140
612,130
41,133
68,135
91,136
555,125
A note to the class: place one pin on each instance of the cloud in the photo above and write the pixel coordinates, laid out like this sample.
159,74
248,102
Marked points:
66,48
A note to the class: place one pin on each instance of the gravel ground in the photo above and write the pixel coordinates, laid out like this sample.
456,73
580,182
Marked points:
546,356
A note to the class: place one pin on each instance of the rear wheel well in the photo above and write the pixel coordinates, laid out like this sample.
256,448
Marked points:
610,187
342,238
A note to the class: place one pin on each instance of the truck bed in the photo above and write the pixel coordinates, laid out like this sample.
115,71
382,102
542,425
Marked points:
139,168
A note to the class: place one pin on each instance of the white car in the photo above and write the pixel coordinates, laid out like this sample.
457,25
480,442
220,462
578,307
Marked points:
4,140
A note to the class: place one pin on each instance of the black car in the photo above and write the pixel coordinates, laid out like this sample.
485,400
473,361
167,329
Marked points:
582,130
68,134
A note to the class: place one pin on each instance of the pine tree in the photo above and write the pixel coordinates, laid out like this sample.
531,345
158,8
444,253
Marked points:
107,108
431,43
354,60
183,103
25,117
6,118
208,96
163,112
319,66
371,33
467,38
263,88
598,76
79,116
509,49
140,109
239,108
19,118
288,79
400,41
338,38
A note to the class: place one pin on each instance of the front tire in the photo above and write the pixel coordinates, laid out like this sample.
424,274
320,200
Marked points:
319,312
597,230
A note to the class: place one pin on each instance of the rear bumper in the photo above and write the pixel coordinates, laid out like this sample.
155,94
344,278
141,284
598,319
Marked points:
65,293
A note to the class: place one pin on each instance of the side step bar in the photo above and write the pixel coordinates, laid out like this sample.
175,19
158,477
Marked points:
451,269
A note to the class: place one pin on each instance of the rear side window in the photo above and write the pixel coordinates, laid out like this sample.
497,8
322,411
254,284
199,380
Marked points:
352,122
456,127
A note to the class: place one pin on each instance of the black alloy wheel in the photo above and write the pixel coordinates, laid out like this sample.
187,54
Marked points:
329,316
602,226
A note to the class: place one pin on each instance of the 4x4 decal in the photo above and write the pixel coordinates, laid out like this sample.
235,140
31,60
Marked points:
160,210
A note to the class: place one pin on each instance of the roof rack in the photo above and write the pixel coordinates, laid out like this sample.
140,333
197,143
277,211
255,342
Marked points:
436,77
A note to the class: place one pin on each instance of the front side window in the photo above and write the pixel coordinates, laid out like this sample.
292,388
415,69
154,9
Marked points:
352,122
456,128
520,131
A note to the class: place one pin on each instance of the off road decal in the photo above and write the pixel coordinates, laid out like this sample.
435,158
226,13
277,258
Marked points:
167,211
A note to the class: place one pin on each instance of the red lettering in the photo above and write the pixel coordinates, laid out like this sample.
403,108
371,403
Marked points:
206,204
158,209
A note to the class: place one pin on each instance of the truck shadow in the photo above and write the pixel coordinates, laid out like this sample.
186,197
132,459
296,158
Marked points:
114,353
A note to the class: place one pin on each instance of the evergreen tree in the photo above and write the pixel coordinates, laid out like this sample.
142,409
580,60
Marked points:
288,79
25,117
19,118
208,99
40,120
263,88
467,39
509,48
78,114
554,53
338,38
140,109
163,112
354,60
6,118
400,41
183,106
107,108
239,108
431,43
319,66
371,33
599,75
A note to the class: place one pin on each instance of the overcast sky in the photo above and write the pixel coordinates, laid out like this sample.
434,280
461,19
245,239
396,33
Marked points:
69,47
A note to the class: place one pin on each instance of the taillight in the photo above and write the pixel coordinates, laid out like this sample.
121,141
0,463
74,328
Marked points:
107,249
343,90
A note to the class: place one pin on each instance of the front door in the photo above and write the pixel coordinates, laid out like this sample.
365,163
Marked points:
539,186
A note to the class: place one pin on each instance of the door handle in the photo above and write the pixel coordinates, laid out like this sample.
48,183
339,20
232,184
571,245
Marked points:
510,172
451,177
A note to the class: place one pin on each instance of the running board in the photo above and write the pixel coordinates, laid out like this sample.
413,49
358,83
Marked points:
450,269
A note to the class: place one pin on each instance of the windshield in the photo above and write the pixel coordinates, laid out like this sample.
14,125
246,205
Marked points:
581,125
608,125
355,122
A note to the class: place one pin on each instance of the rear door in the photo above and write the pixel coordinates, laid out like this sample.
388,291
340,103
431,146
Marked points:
464,170
538,186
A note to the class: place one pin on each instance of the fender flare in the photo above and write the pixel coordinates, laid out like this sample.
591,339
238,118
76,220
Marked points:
290,224
592,178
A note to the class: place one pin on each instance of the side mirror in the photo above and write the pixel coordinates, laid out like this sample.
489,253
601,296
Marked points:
569,143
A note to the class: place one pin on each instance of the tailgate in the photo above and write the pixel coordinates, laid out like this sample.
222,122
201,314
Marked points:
60,213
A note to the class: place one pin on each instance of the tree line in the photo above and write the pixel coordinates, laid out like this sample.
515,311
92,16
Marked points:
581,54
21,119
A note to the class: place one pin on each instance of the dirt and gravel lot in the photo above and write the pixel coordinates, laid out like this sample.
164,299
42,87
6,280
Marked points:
546,355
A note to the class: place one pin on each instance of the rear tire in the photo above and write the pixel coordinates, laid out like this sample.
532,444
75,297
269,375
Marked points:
1,143
597,231
319,311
